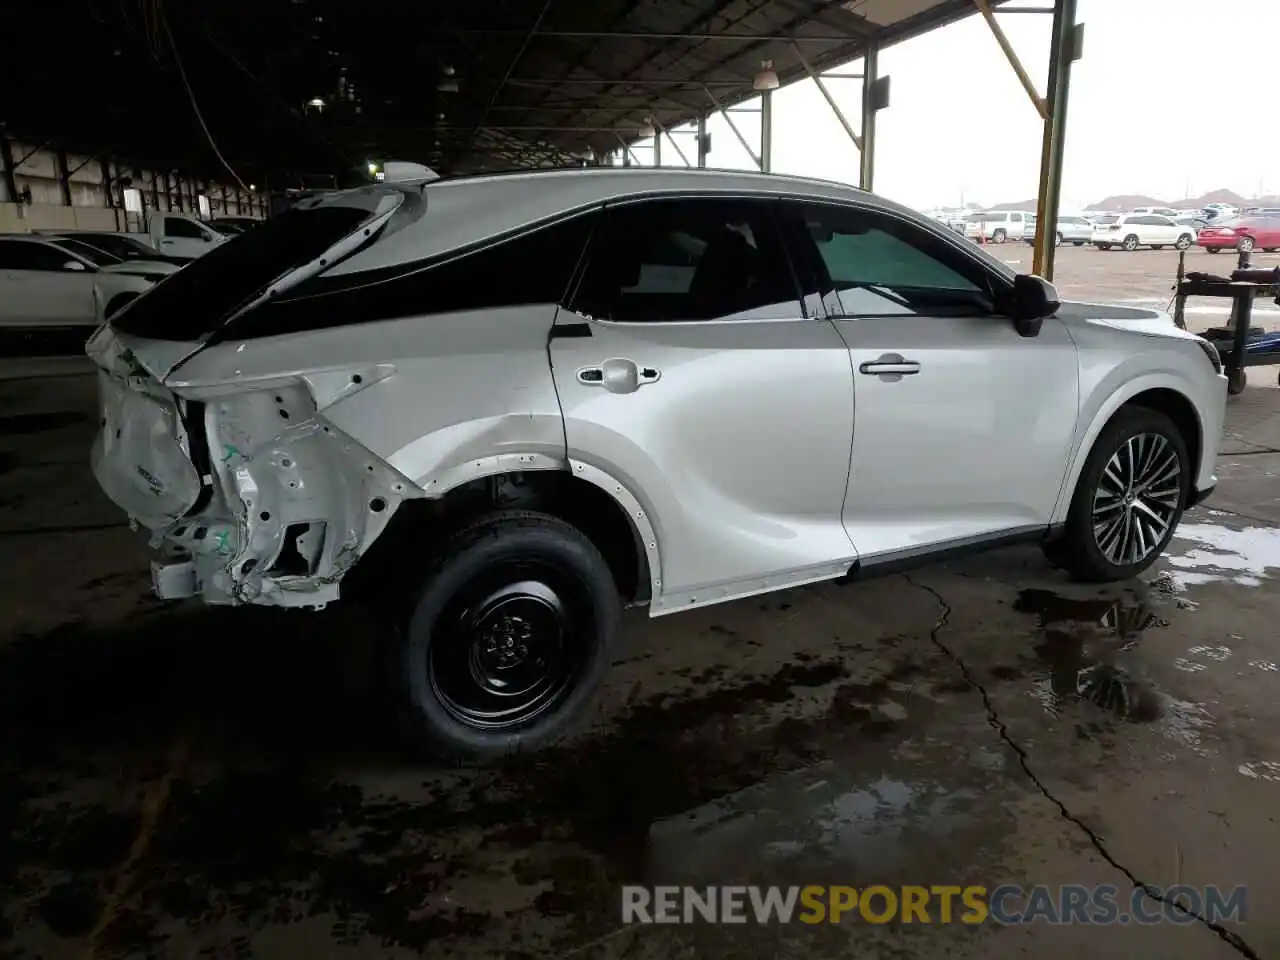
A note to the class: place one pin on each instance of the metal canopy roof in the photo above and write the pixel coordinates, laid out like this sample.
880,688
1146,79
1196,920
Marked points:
458,85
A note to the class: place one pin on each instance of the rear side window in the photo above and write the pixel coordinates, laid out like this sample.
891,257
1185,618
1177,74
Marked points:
194,301
695,258
532,268
20,255
181,227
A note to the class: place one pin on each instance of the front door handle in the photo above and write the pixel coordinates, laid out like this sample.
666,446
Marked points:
619,375
891,367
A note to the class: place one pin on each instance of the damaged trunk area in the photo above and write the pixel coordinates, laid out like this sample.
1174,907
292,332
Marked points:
251,496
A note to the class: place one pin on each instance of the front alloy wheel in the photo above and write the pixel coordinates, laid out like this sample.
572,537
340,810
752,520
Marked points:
1128,499
1137,499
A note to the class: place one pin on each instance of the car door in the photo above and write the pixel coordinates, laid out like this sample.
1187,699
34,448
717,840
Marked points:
1165,228
962,428
44,286
690,375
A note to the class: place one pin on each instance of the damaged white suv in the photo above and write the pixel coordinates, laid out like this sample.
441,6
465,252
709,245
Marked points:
508,406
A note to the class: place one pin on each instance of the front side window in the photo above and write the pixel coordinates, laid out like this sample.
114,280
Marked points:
873,264
688,259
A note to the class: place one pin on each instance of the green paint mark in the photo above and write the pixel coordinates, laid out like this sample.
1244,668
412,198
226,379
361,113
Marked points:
229,451
223,539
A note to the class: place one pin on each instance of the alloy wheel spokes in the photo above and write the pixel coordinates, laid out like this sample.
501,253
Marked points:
1137,498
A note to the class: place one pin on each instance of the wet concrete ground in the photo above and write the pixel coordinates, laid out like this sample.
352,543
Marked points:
185,782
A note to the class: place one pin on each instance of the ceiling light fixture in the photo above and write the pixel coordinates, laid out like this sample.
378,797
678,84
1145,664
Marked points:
767,78
447,86
647,128
316,103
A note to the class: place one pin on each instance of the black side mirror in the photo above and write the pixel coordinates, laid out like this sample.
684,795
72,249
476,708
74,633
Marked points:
1034,298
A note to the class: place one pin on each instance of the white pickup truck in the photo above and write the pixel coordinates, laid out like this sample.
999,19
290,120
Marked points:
183,235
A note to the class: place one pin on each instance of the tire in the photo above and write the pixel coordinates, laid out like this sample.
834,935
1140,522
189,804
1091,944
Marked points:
1212,249
1104,246
1184,241
1270,249
1000,236
464,640
1157,246
1245,244
1077,550
117,302
1130,242
1237,380
1077,243
1057,240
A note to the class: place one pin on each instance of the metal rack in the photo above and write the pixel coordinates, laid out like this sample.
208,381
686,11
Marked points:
1236,347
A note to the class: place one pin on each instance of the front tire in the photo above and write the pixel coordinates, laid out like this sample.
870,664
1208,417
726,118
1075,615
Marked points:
1130,243
1000,236
1128,500
1245,244
510,637
1184,241
1104,246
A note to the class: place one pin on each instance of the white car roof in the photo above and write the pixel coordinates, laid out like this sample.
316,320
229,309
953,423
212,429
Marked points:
466,210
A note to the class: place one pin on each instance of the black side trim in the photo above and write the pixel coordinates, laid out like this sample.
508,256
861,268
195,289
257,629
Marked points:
570,331
901,563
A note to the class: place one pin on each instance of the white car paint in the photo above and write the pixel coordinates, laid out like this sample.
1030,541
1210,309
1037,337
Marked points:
182,235
997,226
749,453
45,283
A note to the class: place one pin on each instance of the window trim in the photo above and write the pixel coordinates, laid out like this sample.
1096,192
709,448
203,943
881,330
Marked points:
998,285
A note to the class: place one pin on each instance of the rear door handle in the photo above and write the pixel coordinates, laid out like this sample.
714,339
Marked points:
891,366
619,375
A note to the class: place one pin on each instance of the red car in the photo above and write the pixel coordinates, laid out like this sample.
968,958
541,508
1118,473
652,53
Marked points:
1246,233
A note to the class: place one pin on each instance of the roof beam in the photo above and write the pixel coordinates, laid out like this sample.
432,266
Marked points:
647,35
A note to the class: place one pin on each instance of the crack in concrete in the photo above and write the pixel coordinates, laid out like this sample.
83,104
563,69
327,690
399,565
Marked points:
1230,937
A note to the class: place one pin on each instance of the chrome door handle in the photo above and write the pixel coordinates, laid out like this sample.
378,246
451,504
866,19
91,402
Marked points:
891,366
619,375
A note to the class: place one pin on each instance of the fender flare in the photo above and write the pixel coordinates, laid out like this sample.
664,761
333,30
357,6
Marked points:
636,514
1131,389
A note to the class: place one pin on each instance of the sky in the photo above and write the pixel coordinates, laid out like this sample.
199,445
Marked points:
1154,109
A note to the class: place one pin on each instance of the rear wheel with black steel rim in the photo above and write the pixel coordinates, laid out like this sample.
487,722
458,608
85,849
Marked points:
1128,500
510,636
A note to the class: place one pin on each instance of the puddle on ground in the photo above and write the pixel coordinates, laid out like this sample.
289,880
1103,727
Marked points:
1087,652
1223,555
805,823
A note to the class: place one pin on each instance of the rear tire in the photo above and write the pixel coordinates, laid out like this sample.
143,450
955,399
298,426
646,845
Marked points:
1116,529
510,636
1237,380
1077,243
1104,246
1212,249
1245,244
1157,246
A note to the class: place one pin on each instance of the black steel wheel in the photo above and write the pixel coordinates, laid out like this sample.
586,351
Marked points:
1128,500
510,636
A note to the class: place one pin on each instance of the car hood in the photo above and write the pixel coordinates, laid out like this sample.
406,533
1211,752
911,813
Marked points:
141,266
1137,319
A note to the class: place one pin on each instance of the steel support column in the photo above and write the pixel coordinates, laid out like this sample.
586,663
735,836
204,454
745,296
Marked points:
702,141
657,146
1064,51
64,177
10,174
766,131
867,148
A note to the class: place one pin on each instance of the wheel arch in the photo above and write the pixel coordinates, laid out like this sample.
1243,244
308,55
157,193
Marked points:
602,508
1153,393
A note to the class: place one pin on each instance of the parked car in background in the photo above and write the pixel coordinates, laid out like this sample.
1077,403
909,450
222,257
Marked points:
996,226
1071,228
1133,230
121,246
63,283
182,234
1159,211
234,224
1190,221
1243,234
324,407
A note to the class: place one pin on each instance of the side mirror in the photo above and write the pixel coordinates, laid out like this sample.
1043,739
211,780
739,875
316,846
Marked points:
75,266
1034,298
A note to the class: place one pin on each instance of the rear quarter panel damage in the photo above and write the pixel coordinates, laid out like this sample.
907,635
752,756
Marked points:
332,430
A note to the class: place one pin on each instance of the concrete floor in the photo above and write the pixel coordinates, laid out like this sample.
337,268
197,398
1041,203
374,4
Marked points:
183,782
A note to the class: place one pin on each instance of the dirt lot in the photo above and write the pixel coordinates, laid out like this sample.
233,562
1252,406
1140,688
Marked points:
184,782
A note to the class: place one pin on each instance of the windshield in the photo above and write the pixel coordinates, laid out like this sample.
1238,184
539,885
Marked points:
90,253
126,248
194,301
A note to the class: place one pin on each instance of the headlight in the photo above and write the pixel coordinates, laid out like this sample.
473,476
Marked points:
1211,352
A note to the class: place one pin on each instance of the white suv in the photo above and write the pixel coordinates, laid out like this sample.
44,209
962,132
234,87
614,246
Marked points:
1133,230
504,407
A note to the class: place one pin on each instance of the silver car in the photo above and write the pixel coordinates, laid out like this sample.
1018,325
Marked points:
1070,229
501,408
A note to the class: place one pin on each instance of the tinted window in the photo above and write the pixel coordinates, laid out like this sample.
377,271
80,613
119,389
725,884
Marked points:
18,255
872,264
532,268
688,259
178,227
203,293
1107,219
88,251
